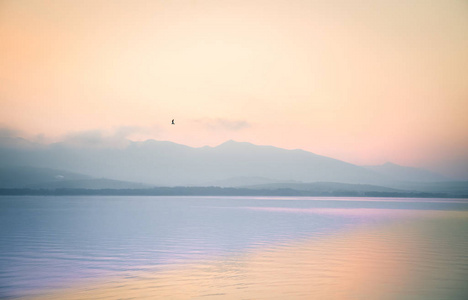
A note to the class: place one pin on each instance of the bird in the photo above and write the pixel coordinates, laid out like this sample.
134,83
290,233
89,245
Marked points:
173,122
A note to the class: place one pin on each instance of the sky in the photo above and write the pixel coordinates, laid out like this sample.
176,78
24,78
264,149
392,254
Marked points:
364,81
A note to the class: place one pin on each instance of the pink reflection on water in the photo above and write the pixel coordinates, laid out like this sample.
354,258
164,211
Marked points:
358,199
352,212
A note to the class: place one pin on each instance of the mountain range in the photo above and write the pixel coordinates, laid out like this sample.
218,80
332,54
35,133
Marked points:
231,164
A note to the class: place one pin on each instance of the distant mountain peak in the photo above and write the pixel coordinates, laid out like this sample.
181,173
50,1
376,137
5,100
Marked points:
232,143
156,143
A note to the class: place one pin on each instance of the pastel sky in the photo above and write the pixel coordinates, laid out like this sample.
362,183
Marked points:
364,81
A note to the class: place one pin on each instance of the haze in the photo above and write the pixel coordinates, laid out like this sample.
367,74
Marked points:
361,81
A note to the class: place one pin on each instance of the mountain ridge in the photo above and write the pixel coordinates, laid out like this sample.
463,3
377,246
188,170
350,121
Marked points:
165,163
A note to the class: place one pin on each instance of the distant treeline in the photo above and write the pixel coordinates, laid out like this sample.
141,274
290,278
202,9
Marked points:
216,191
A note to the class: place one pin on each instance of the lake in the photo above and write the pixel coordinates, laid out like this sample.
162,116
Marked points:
75,247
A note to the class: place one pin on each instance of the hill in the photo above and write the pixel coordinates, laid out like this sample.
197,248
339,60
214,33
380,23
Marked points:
46,178
162,163
170,164
401,173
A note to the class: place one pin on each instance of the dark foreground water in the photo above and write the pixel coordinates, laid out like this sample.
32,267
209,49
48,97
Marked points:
221,247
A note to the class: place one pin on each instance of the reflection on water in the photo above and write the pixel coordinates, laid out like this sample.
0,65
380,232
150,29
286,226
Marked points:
239,248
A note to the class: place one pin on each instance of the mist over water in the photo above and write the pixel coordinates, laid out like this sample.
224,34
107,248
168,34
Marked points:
190,246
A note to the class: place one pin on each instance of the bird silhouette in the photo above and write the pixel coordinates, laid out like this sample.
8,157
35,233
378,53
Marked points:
173,122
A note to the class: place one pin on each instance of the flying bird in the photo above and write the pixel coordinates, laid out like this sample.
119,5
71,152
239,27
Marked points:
173,122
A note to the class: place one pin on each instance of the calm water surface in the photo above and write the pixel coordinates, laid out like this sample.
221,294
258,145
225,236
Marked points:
332,246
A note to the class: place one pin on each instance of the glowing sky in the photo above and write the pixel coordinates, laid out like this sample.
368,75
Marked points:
365,81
